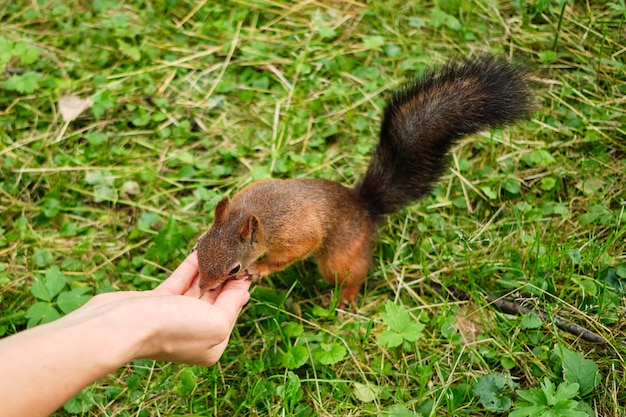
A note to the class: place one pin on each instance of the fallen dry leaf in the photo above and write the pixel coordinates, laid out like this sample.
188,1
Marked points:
469,323
72,106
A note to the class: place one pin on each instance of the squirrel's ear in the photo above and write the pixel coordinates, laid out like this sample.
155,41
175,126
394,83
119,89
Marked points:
250,228
221,211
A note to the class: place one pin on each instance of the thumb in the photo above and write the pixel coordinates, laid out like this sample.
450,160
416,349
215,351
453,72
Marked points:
182,278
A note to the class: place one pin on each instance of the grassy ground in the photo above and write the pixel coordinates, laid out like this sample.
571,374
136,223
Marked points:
194,100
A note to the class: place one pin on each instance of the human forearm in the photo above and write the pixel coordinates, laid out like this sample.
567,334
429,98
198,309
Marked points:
43,367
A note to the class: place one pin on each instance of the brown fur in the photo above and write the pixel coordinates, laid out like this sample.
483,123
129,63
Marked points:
340,244
288,220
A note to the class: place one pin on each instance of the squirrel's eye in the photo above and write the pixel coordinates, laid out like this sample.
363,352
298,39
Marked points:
235,269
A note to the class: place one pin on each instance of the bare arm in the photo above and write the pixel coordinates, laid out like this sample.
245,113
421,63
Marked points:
43,367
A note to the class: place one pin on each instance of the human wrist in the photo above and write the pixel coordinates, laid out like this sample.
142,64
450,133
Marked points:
143,321
139,326
120,324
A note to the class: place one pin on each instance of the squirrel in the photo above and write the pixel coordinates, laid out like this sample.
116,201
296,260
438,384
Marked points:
272,223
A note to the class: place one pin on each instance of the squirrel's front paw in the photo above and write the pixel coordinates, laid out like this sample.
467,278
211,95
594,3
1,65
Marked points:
252,272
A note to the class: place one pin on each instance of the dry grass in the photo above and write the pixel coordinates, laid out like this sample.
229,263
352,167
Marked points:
195,101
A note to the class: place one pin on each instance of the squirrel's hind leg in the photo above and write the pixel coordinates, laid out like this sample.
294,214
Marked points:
348,274
346,267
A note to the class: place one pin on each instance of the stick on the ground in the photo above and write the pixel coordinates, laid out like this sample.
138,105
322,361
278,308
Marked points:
511,307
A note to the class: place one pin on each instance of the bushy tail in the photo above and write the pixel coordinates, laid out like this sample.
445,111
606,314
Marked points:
425,119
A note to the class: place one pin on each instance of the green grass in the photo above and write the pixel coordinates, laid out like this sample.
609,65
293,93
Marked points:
193,100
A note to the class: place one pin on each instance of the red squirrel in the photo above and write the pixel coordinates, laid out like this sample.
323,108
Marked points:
270,224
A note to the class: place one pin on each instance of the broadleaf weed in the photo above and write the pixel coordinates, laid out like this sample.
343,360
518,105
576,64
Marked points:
193,100
55,298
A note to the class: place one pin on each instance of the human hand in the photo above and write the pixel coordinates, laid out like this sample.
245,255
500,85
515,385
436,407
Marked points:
196,328
177,321
174,322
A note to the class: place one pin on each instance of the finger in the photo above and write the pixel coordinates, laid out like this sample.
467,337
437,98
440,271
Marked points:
194,288
211,295
182,278
232,297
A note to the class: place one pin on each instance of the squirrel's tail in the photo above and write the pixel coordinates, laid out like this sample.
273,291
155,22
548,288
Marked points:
424,119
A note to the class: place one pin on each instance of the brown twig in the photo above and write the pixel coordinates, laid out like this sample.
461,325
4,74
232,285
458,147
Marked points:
14,70
511,307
